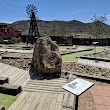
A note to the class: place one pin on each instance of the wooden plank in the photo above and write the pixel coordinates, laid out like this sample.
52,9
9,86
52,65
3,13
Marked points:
1,66
65,99
18,78
71,101
57,83
22,103
6,66
46,91
68,100
93,63
42,98
46,102
12,80
15,73
22,78
48,84
3,71
42,90
53,83
35,101
24,81
29,101
53,102
10,72
51,80
19,99
44,86
59,102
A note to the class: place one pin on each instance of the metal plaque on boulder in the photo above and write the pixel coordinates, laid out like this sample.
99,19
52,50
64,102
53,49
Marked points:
78,86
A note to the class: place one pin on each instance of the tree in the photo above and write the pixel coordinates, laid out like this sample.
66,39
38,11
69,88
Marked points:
63,29
58,29
97,28
52,31
13,40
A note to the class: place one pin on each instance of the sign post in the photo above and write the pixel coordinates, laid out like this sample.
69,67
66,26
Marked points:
76,103
77,87
95,43
5,44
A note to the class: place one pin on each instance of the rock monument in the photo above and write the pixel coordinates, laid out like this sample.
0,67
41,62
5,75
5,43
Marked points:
46,58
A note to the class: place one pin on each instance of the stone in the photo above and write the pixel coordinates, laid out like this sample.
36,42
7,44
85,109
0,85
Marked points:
46,58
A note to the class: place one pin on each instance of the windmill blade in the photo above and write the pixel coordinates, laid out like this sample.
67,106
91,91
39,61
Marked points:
31,8
28,6
35,9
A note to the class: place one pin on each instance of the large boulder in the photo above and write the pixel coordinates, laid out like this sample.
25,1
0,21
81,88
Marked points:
46,58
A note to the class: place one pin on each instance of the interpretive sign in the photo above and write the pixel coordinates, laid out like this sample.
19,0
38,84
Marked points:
78,86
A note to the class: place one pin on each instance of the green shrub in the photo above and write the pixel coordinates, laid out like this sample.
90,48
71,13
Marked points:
19,39
1,40
13,40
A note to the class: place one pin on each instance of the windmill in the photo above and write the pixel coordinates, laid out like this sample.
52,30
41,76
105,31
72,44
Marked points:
31,10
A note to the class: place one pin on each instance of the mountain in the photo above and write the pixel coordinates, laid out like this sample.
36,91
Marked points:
72,27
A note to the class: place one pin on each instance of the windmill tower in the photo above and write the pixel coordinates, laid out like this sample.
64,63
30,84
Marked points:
33,28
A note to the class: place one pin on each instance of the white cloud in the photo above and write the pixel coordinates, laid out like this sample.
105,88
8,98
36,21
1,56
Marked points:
7,20
3,21
108,16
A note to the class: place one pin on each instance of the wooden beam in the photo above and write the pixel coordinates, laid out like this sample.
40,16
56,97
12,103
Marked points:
69,98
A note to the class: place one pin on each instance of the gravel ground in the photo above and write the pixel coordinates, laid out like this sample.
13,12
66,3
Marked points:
23,63
18,55
85,100
85,69
19,63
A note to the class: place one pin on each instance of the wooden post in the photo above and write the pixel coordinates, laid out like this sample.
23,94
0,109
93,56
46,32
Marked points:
76,103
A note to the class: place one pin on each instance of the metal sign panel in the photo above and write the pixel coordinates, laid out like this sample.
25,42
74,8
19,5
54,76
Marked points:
78,86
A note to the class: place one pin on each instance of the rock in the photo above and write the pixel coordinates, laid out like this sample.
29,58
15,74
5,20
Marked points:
46,58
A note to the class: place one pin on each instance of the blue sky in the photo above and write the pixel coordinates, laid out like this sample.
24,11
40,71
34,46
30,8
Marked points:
82,10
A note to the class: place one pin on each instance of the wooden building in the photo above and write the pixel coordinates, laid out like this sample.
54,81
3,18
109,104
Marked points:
8,32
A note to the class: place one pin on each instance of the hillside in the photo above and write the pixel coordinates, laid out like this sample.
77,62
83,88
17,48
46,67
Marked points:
72,27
